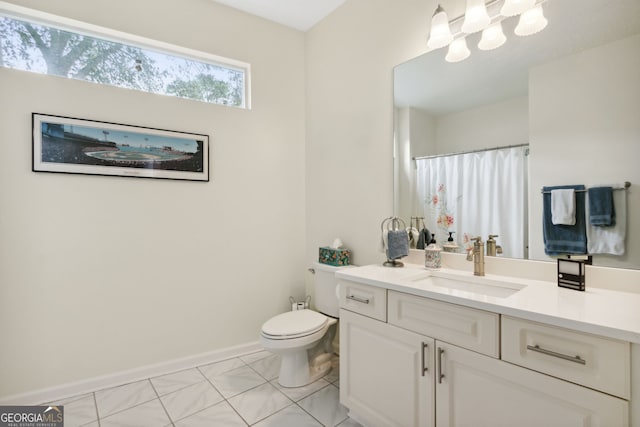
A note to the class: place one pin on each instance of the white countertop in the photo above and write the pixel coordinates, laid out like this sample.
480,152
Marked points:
609,313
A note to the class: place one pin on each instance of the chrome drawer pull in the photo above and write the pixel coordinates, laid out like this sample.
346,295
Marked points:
358,299
440,374
424,368
575,359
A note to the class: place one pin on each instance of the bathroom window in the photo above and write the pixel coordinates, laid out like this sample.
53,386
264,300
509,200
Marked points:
47,44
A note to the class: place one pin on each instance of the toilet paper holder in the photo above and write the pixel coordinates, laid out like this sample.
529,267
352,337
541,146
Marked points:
299,305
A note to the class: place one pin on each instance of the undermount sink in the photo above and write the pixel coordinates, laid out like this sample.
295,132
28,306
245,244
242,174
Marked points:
478,285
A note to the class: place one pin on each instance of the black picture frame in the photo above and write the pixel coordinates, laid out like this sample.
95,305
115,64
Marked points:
90,147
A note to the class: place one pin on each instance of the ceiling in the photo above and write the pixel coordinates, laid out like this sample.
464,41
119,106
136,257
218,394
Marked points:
298,14
436,86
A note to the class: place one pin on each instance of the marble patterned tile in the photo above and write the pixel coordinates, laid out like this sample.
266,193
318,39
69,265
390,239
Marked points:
173,382
349,423
297,393
291,416
252,357
146,414
217,368
68,400
259,403
268,367
221,414
332,376
191,399
79,412
324,405
126,396
236,381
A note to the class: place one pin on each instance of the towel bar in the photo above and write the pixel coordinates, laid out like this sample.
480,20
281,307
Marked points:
627,184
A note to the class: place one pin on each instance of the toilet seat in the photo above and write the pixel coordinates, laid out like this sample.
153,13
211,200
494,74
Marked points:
294,324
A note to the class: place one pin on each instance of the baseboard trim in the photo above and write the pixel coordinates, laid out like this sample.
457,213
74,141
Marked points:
63,391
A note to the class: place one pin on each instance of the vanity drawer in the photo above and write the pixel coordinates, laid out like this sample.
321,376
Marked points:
368,300
466,327
591,360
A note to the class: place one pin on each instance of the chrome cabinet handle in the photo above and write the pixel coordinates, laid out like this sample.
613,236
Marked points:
440,374
424,368
358,299
574,359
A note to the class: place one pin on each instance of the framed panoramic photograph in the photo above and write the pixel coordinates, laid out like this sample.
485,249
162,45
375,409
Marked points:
68,145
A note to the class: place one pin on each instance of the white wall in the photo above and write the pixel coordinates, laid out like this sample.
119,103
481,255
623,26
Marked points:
496,125
589,100
350,60
104,274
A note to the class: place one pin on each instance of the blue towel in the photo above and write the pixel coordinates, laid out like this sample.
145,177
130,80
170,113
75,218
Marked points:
398,244
564,239
601,209
423,240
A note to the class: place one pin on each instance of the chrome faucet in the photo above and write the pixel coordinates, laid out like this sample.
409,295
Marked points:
492,248
477,256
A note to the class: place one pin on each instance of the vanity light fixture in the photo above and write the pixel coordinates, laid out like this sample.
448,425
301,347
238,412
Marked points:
532,21
440,35
492,37
516,7
476,17
458,50
486,18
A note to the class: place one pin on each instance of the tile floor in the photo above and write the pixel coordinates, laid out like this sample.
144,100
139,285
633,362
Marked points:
236,392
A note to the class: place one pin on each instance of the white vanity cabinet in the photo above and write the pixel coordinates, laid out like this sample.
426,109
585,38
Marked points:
432,363
386,373
478,391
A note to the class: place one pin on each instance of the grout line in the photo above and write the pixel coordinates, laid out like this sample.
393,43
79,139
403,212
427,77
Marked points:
182,387
161,403
224,399
134,406
95,405
277,412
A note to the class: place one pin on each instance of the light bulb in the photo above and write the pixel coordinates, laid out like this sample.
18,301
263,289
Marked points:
531,22
476,17
492,37
516,7
440,32
458,50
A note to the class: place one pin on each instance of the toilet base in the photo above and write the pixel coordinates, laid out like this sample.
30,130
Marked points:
296,371
299,368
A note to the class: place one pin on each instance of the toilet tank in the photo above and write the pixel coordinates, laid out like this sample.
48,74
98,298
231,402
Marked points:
325,292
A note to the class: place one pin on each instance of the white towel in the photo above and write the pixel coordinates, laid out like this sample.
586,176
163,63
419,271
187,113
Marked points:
563,206
414,234
384,241
609,240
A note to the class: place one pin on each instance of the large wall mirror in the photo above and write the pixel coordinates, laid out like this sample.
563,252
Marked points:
568,98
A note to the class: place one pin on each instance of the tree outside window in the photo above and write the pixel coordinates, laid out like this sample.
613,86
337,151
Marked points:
47,50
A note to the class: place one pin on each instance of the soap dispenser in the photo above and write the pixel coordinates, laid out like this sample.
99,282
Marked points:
433,254
451,245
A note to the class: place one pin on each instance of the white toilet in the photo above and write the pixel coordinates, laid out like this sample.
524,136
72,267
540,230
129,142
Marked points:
303,338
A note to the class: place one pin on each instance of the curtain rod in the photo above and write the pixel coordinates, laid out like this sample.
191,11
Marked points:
434,156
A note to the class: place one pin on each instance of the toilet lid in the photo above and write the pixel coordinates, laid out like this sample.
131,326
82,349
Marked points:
299,322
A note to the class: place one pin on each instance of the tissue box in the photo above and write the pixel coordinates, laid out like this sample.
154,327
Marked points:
335,257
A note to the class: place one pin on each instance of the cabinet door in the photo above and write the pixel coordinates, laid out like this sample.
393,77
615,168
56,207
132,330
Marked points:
386,373
473,390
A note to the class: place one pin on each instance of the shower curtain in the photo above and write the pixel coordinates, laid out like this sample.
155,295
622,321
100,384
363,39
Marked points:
476,194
